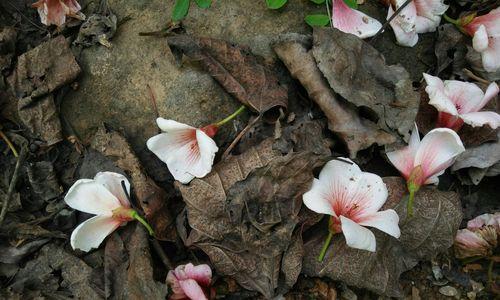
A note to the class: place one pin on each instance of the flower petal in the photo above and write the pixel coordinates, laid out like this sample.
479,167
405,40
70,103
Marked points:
438,150
464,95
92,232
403,25
201,273
437,95
208,149
171,125
403,159
481,118
192,289
357,236
113,182
491,92
432,10
386,221
317,199
91,197
480,39
491,56
353,21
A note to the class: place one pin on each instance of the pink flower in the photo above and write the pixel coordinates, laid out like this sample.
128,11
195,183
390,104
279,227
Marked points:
190,282
421,162
55,11
480,237
419,16
104,197
485,31
352,21
485,220
188,152
459,102
352,198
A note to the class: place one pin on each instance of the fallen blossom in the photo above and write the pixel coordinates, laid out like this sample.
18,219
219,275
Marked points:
485,32
104,197
352,21
480,238
458,102
54,12
423,161
190,282
189,152
419,16
352,198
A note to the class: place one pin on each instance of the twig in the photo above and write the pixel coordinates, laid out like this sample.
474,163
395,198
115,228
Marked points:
238,137
396,13
153,99
474,76
9,143
12,184
159,250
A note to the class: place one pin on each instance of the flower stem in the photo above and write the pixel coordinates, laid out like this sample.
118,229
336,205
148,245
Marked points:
325,246
450,20
9,143
490,272
409,205
136,216
232,116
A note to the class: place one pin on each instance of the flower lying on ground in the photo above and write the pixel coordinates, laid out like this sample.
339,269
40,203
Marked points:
189,152
353,21
54,12
421,162
458,102
419,16
104,197
480,237
352,198
485,31
190,282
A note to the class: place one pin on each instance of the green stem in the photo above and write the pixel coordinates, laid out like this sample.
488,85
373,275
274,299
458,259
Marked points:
450,20
490,272
136,216
325,246
232,116
9,143
409,205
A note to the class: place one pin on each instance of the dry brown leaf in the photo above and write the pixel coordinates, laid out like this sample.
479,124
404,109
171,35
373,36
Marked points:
356,132
432,230
244,213
358,72
151,197
238,71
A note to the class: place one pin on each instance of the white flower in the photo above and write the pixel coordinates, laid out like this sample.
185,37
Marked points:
188,152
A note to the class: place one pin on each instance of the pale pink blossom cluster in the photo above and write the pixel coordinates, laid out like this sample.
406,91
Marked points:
480,238
54,12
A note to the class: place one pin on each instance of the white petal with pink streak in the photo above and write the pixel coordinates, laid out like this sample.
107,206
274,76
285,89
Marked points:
353,21
317,198
403,24
403,158
192,289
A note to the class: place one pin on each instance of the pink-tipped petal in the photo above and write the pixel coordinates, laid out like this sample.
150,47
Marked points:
92,232
201,273
481,118
91,197
317,199
437,151
403,25
464,95
192,289
357,236
480,39
437,95
431,10
353,21
386,221
113,183
403,159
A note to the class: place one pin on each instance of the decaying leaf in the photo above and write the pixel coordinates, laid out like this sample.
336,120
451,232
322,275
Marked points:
358,72
8,36
244,213
238,71
356,132
450,48
431,230
128,267
97,29
151,197
13,254
480,161
43,180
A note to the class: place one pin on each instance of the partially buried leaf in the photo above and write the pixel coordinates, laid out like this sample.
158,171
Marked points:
180,10
358,133
150,196
317,20
13,254
41,118
359,73
238,71
275,4
244,213
431,230
203,3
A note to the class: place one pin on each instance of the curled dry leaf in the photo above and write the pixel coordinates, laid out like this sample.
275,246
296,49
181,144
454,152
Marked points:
431,230
356,132
151,197
358,72
238,71
245,212
450,49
